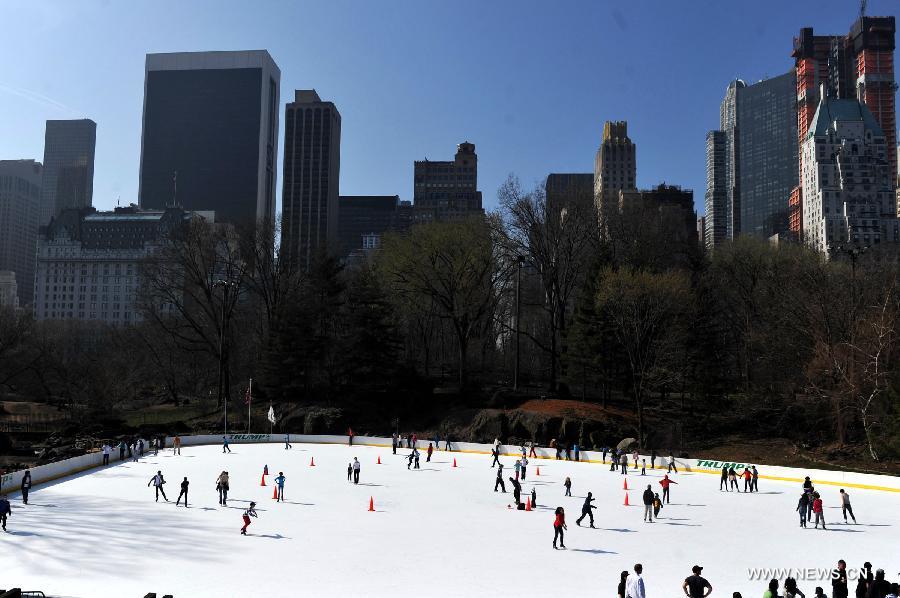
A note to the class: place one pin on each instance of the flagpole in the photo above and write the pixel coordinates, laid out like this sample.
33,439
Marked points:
249,403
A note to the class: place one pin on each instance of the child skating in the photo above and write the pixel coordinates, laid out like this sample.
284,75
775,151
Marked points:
568,485
250,512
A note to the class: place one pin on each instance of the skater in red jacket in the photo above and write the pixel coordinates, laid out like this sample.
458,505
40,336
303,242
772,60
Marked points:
665,484
559,524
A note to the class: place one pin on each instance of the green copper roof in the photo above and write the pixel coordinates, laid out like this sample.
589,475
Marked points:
834,109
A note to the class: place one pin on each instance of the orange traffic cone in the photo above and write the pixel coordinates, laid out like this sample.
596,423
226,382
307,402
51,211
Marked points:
454,461
379,460
538,472
371,504
312,461
625,484
626,499
275,492
527,504
262,480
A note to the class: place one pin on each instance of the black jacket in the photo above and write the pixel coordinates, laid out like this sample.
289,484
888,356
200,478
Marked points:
587,506
648,497
839,584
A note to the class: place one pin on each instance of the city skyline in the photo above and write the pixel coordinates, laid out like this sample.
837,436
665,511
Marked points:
395,98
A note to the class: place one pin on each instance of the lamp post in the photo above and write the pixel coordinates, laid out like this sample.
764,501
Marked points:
225,284
520,261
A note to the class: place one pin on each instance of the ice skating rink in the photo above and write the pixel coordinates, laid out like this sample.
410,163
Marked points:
438,531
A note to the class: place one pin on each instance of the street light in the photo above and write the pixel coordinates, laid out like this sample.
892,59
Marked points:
520,261
225,284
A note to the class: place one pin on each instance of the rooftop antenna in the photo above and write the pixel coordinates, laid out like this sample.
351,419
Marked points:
175,189
862,8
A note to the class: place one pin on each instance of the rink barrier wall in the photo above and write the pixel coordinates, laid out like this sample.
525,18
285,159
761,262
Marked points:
42,474
845,479
11,483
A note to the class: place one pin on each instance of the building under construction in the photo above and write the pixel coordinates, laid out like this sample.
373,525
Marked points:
859,65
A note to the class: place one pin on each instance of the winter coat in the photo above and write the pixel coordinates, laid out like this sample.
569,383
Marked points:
648,497
222,481
666,481
817,505
26,481
5,509
560,520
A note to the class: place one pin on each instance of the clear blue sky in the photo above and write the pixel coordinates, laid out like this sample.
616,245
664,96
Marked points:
529,82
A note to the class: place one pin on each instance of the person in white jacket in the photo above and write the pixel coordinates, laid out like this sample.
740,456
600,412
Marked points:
158,480
634,585
106,449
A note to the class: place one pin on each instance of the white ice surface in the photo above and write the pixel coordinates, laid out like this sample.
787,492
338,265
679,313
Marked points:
438,531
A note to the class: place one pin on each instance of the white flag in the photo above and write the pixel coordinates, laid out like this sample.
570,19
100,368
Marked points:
271,415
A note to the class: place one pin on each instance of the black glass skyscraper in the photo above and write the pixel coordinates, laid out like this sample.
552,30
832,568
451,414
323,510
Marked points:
68,177
210,134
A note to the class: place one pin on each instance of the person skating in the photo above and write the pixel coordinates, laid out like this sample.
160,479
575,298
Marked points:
26,485
807,484
605,450
184,492
634,459
559,524
695,586
623,462
430,450
665,483
724,479
864,580
845,506
568,451
518,468
158,481
648,504
409,460
250,512
279,483
568,485
614,460
105,449
356,467
809,511
5,511
287,442
523,450
176,445
517,491
350,436
754,487
524,467
495,452
643,467
657,505
672,466
819,593
791,590
577,452
533,498
803,508
772,590
499,481
732,479
556,445
839,588
350,471
222,488
225,447
818,510
880,587
394,443
415,440
587,510
416,459
531,451
140,446
623,579
634,586
748,480
653,459
447,446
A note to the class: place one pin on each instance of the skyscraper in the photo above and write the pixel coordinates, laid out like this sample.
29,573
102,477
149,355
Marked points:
447,190
563,189
715,226
860,66
68,179
312,166
364,220
210,134
848,179
20,206
752,160
615,169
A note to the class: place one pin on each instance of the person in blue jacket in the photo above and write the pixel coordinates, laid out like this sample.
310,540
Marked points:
5,510
225,444
279,481
577,451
